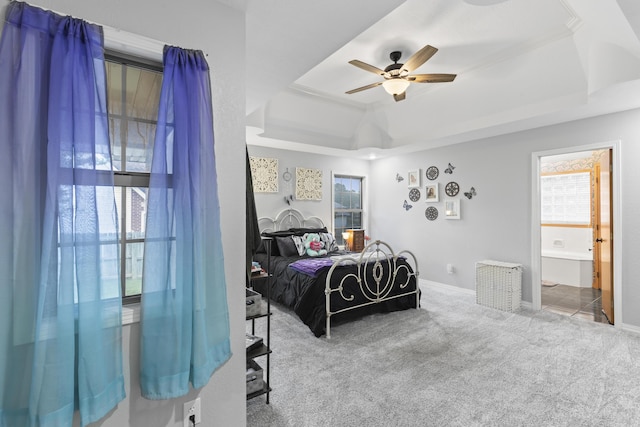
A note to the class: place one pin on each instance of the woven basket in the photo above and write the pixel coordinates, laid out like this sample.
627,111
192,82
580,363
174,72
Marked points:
499,285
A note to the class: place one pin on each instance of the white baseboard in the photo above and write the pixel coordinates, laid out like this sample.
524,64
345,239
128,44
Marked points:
524,304
631,328
430,283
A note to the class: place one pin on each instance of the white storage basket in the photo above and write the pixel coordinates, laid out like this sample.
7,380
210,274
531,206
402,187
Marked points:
499,285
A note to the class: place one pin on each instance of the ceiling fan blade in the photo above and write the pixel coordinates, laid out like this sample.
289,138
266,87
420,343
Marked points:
431,78
400,96
364,88
419,58
367,67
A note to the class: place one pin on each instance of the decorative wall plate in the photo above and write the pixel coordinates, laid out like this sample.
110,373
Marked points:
432,173
452,188
414,195
431,213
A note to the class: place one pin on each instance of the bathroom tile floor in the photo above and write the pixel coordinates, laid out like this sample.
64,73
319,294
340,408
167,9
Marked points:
573,301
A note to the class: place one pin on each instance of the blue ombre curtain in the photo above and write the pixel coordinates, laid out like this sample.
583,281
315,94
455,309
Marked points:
184,317
60,308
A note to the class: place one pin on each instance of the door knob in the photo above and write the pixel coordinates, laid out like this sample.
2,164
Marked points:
599,240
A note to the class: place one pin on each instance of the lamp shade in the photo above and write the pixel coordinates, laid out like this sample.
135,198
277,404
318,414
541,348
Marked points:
395,86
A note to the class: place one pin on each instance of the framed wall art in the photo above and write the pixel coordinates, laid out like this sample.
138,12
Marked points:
414,178
452,209
308,184
264,173
431,193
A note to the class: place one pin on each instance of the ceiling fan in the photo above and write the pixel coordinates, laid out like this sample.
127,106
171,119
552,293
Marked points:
397,77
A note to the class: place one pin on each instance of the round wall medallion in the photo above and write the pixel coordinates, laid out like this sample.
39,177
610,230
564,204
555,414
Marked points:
451,188
414,195
432,172
431,213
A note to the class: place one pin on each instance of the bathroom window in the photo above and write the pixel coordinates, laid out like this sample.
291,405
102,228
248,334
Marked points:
566,198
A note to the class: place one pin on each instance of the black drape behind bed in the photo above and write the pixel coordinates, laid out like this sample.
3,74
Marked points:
253,232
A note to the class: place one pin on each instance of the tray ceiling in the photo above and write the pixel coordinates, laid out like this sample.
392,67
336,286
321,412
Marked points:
519,64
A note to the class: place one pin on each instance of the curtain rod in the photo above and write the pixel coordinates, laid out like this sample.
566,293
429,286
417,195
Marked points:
123,41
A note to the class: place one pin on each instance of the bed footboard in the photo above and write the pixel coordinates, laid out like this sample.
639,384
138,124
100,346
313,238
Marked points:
380,275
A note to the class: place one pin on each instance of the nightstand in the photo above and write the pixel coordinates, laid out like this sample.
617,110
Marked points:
355,240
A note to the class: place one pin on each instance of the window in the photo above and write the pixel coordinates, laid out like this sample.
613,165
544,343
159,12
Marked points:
133,96
347,202
566,198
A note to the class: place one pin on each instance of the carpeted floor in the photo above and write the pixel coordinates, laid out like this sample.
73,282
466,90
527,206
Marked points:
452,363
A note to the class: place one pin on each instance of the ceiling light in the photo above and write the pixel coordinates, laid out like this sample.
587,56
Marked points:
395,86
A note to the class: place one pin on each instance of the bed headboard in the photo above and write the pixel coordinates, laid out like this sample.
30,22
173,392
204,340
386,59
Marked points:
286,219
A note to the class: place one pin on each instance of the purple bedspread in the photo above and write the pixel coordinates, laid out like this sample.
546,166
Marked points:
311,266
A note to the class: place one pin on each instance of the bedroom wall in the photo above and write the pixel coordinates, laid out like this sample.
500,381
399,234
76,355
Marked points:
269,204
219,31
495,224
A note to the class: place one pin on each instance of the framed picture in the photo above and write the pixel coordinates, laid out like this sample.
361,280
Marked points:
431,193
452,209
264,172
308,184
414,179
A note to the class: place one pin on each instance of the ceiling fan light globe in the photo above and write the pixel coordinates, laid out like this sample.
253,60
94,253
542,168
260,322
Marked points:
395,86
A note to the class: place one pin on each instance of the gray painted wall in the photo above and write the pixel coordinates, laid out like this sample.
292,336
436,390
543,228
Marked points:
269,204
496,223
220,33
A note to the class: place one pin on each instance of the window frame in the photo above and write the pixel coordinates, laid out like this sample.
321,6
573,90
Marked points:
128,179
363,200
558,223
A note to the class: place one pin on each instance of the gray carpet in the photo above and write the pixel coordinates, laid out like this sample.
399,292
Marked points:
452,363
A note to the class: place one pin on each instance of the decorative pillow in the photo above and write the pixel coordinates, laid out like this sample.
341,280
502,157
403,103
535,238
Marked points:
286,246
313,245
262,249
299,242
285,235
329,241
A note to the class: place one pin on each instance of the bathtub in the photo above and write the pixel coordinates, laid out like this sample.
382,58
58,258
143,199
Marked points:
567,268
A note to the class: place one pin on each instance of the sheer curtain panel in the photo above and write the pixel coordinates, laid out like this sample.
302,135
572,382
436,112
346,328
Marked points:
60,308
184,316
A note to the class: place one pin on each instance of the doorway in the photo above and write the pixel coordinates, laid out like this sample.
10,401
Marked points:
573,230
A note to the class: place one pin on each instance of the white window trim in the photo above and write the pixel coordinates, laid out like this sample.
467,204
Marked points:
365,198
132,44
143,47
130,314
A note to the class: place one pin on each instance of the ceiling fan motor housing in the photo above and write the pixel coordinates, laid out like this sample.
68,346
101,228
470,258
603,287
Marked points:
394,67
395,56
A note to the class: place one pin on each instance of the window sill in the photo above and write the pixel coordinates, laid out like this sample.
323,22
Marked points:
130,314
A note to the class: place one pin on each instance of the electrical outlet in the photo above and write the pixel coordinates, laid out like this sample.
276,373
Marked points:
192,408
